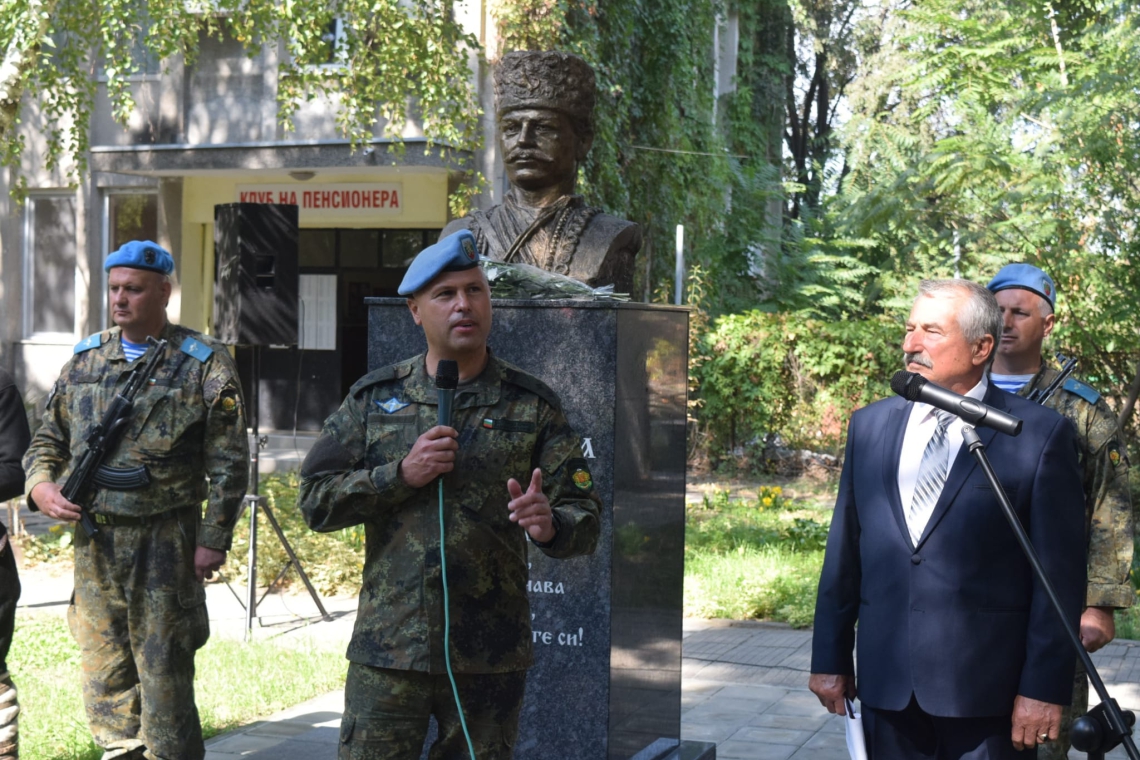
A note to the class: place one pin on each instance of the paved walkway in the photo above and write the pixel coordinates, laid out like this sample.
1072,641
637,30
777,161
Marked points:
744,683
744,688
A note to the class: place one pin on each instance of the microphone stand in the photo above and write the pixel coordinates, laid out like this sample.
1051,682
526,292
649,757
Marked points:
1105,726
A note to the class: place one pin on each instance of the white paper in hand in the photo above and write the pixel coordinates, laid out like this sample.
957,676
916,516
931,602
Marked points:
856,744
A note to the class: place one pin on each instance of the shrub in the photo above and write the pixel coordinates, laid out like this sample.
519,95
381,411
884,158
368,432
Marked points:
758,377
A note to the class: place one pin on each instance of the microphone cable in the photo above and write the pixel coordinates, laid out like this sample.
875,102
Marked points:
447,627
446,381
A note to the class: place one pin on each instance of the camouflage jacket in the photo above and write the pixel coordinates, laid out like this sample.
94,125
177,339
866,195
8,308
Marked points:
508,423
187,426
1104,475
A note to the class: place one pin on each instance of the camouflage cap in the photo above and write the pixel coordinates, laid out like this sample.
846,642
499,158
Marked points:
545,79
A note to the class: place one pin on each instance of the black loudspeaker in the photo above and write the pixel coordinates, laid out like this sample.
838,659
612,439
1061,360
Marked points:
255,268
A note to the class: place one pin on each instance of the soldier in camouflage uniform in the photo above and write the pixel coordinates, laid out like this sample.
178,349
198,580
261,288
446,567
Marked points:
378,462
1026,295
139,607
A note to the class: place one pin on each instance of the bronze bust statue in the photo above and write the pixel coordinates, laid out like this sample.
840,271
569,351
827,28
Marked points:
544,103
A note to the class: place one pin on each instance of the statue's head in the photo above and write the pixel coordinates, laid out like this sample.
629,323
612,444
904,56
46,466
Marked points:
544,102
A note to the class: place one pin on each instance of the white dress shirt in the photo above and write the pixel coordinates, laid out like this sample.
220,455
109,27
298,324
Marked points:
919,430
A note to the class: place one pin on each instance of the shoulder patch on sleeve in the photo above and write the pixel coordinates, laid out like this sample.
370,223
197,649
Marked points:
532,384
391,372
1087,392
196,348
88,343
580,475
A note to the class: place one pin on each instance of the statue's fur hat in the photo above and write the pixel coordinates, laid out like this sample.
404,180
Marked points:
546,79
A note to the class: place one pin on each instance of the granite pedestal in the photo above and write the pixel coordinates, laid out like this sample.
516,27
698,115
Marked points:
606,684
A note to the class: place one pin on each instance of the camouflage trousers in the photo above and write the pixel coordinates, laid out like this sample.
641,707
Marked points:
139,614
1059,750
386,714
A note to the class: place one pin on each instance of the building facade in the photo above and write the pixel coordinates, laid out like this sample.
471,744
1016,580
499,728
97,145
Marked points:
209,133
203,135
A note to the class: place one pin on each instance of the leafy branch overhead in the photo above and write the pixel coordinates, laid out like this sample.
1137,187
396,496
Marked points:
380,62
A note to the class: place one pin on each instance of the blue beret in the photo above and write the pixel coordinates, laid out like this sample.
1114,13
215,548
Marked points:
141,254
452,254
1026,277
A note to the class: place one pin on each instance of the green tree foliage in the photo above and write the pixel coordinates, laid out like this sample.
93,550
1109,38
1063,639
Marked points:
390,54
666,152
745,377
995,132
763,374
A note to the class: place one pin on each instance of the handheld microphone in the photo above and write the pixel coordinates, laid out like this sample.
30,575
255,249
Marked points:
915,387
446,381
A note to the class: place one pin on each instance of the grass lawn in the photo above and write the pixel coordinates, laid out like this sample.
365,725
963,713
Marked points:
331,560
235,683
755,557
1128,622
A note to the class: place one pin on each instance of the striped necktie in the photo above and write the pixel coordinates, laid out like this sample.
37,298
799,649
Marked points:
932,472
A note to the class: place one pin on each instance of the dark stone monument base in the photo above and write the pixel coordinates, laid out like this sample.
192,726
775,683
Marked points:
606,684
694,751
671,749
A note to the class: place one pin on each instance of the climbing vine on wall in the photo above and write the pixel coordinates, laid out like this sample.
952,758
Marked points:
372,58
663,152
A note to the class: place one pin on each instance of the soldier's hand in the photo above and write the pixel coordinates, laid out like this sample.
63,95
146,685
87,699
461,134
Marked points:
432,455
206,561
49,498
1098,627
532,510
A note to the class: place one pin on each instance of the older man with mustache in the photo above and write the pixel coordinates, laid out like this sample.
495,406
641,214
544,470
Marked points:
960,653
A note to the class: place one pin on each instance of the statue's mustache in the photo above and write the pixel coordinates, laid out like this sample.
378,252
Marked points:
527,155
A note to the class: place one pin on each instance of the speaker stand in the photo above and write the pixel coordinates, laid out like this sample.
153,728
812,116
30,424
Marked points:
255,502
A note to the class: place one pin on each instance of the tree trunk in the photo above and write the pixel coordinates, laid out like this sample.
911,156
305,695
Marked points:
19,57
1130,402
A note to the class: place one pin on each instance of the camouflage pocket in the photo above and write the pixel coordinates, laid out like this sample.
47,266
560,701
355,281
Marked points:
390,437
192,602
151,415
347,724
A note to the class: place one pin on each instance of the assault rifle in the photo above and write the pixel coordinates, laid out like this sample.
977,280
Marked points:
1042,395
103,437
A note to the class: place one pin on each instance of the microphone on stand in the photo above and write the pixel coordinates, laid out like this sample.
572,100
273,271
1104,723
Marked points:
446,381
915,387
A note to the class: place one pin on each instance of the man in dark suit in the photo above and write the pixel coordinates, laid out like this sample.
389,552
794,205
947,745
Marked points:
960,653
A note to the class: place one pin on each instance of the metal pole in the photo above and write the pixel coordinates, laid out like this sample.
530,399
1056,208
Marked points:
252,498
1116,722
293,561
252,502
679,275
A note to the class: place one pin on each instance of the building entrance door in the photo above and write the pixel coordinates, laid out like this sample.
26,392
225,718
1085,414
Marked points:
339,268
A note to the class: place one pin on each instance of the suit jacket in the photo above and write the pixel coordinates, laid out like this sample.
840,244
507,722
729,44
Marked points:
958,620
